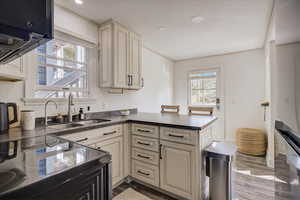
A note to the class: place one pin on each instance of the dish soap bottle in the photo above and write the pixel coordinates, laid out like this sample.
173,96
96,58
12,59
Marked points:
81,114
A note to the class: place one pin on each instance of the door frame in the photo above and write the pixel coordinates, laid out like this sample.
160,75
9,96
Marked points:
220,89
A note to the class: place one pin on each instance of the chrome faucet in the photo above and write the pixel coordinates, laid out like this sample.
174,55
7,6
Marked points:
46,104
70,104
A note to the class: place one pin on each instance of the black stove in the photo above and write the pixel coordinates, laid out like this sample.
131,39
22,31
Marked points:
34,167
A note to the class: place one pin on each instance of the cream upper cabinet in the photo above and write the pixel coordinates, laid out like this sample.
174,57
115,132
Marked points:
136,47
177,168
120,57
12,71
115,148
105,55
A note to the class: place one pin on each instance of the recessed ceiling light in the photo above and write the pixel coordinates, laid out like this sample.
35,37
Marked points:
162,28
197,19
80,2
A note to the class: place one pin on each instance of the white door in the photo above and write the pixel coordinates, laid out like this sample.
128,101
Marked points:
135,60
121,57
206,88
115,148
177,168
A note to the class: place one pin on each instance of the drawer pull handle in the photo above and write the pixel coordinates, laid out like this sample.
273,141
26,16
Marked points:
160,151
142,143
82,140
144,131
177,136
110,133
141,156
140,172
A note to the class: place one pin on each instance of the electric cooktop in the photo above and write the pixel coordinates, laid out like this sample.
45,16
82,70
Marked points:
27,161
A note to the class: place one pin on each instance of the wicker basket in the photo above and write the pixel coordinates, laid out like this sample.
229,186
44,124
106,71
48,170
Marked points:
251,141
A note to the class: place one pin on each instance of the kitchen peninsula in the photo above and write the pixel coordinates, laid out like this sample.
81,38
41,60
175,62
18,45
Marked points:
162,151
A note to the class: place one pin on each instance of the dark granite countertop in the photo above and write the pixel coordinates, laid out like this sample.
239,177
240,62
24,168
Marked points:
173,120
168,120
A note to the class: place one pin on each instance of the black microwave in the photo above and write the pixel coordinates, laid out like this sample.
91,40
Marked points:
24,25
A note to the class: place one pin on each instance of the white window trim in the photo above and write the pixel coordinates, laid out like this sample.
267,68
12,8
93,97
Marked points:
30,60
199,70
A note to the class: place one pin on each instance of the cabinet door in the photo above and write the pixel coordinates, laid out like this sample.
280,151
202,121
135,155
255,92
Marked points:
115,148
13,70
105,58
177,168
135,61
121,57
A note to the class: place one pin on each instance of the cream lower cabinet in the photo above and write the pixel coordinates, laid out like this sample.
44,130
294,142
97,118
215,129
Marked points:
171,159
177,168
115,148
110,139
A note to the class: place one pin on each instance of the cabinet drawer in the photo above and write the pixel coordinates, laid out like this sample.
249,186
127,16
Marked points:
145,172
145,156
111,132
95,135
145,143
179,135
145,130
83,137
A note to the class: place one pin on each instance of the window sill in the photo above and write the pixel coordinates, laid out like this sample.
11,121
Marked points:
60,101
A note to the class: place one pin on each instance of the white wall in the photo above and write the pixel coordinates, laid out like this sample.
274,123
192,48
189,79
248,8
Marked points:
287,88
244,79
75,25
288,96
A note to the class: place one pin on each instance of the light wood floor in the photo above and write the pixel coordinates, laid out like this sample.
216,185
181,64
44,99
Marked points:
252,181
284,191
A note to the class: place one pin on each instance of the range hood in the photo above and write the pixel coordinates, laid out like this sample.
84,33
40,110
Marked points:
24,25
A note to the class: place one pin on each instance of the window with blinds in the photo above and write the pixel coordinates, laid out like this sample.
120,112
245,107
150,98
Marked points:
203,88
61,69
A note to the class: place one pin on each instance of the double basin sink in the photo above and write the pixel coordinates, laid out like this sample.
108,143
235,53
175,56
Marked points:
78,124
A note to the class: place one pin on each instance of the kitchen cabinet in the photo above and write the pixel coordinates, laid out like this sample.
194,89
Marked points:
115,148
13,71
145,172
120,57
135,57
177,168
108,139
170,159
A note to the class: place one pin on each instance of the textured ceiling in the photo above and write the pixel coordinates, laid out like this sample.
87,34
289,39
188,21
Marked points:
228,25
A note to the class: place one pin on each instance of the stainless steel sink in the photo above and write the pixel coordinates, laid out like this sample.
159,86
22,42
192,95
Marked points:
65,126
92,121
